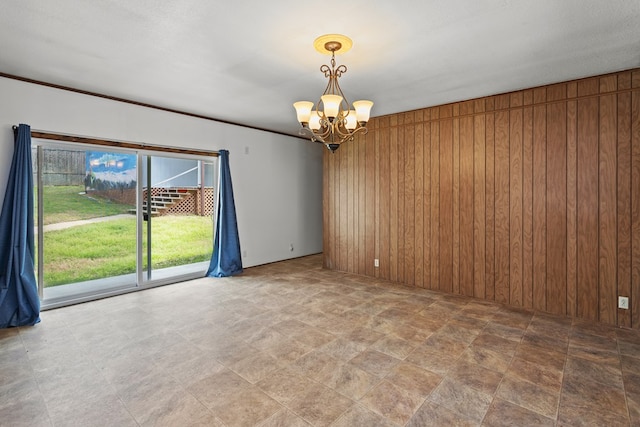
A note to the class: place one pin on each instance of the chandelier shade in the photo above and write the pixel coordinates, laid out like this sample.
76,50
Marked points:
332,120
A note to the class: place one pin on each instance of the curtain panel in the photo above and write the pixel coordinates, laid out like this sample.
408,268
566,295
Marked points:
19,302
226,259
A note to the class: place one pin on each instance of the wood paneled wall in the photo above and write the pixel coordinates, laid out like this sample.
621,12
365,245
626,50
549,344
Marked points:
530,198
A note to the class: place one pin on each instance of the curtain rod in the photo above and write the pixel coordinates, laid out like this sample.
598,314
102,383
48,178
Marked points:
113,143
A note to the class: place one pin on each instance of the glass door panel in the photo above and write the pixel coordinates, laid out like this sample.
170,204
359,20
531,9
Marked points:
86,203
177,205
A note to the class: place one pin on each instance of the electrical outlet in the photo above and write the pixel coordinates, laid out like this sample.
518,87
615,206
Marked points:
376,262
623,302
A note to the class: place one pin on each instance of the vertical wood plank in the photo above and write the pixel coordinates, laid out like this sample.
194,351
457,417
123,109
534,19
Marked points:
419,207
466,206
516,99
490,207
455,273
376,228
344,212
587,87
608,83
336,209
326,211
479,206
362,197
635,206
624,80
409,204
624,203
435,203
502,207
383,167
402,189
335,164
351,195
557,208
557,92
502,101
572,188
608,300
587,285
539,207
370,203
527,206
446,205
393,205
515,206
428,188
359,142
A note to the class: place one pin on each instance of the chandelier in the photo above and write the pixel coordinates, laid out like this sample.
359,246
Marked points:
332,120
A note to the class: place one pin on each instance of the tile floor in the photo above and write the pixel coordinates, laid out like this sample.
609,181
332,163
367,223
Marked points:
290,344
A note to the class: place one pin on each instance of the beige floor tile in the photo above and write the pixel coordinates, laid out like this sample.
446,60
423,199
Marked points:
319,405
414,379
247,407
255,366
490,359
284,418
545,377
506,414
394,346
359,416
593,396
314,365
216,389
374,362
23,404
467,402
284,385
392,402
349,381
476,376
343,348
432,414
529,396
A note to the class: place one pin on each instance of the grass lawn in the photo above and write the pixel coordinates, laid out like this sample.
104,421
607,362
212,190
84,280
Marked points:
65,203
105,249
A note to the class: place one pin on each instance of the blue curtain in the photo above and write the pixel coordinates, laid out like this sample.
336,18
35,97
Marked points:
226,259
19,302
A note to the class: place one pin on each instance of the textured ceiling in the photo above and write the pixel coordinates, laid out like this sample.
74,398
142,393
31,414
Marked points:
247,61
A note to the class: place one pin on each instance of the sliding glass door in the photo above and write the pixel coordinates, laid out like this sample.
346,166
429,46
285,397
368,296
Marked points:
112,220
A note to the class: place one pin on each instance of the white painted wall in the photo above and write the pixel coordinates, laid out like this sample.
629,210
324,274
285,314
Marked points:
277,185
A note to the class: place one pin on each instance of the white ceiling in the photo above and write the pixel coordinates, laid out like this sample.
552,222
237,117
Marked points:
247,61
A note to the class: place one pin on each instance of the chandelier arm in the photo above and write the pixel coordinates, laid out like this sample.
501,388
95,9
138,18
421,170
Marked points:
305,131
346,134
326,71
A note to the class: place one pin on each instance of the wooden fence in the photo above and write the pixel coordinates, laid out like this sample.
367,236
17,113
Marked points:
60,167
